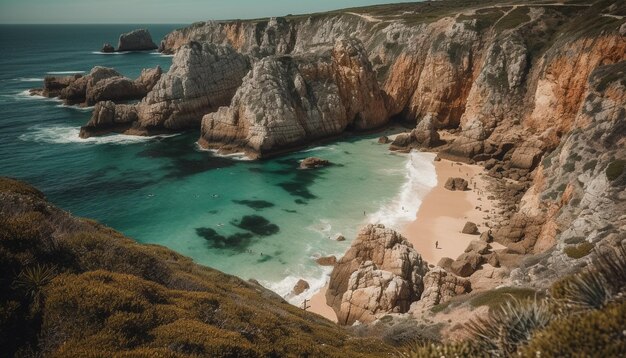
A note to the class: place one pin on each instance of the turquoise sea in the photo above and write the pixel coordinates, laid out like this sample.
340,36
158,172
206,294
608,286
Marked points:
265,220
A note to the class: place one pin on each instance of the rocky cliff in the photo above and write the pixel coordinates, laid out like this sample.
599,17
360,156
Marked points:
291,100
202,78
100,84
533,91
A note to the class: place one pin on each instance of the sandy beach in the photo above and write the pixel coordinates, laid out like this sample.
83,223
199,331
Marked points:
440,219
443,213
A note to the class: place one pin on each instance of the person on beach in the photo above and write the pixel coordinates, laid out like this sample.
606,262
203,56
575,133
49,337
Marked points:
436,244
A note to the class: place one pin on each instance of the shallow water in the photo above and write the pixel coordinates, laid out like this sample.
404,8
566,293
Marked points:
265,220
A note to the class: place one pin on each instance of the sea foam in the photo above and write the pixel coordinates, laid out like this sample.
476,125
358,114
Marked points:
64,72
28,79
421,177
65,135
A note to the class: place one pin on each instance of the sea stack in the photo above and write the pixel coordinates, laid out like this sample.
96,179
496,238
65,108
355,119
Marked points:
136,40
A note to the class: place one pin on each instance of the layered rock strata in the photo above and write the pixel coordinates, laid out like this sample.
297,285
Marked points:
380,273
101,84
289,101
202,78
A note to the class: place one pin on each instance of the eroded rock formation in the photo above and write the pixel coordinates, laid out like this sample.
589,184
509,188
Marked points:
380,273
136,40
289,101
202,78
101,84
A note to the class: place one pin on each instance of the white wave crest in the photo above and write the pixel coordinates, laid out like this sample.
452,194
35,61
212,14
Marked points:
236,156
161,54
285,286
65,135
64,72
26,96
421,177
28,79
109,53
78,108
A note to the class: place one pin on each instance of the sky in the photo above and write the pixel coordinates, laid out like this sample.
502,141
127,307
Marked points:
160,11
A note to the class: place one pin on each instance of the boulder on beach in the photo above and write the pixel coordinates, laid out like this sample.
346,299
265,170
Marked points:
136,40
440,286
470,228
313,162
383,140
300,287
340,238
456,184
380,273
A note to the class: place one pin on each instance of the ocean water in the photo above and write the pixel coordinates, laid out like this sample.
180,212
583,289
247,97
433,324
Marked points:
265,220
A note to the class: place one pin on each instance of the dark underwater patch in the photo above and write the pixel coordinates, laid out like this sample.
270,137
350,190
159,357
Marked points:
256,224
264,258
255,204
290,211
300,202
238,241
183,167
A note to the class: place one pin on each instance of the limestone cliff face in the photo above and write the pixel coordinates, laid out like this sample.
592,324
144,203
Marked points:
289,101
275,36
202,78
578,189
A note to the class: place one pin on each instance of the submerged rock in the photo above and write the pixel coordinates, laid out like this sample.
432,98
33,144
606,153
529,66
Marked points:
379,274
313,162
136,40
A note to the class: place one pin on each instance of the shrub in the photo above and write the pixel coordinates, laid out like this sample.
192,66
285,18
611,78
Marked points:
593,333
569,167
579,251
615,169
500,296
590,165
509,326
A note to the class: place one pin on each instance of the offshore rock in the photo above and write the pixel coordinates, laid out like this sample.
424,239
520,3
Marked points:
107,48
379,274
313,162
136,40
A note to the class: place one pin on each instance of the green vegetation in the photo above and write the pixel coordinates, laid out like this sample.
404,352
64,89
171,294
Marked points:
584,315
74,288
513,19
499,297
615,169
590,165
569,167
579,251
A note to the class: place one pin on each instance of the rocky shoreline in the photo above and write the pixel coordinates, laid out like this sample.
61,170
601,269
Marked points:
517,89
